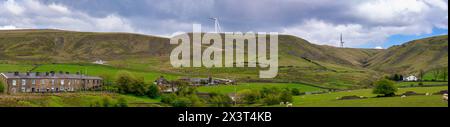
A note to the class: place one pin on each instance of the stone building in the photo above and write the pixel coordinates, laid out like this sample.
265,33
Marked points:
48,82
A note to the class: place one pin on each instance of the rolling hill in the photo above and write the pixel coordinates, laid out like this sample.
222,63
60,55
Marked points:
411,57
300,61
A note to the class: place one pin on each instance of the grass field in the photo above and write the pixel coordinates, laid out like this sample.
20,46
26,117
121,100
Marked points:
409,84
74,100
329,99
257,86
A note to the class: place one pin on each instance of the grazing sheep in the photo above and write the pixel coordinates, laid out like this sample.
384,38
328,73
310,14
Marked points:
445,97
289,105
281,103
404,96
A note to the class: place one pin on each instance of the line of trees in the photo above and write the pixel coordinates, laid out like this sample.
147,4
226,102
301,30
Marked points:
439,73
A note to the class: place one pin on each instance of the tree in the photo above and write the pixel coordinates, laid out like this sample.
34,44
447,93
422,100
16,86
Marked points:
182,102
421,75
168,98
249,96
153,92
445,73
124,80
436,72
295,91
286,96
385,87
221,100
2,87
271,100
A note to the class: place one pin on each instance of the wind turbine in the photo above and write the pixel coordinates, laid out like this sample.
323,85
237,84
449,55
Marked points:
217,27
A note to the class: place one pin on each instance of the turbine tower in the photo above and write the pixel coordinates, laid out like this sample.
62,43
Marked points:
342,42
217,27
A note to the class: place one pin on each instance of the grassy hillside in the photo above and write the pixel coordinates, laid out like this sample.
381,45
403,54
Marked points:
411,57
300,61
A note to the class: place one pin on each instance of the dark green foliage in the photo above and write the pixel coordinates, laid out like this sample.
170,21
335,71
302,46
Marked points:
122,102
153,91
220,100
2,87
168,98
182,102
295,92
385,87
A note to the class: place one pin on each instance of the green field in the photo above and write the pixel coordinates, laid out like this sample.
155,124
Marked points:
89,99
414,84
329,99
257,86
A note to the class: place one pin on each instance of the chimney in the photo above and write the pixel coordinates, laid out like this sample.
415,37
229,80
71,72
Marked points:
16,73
67,73
52,73
46,73
38,73
28,73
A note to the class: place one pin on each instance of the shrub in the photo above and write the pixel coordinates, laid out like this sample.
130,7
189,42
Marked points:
2,87
220,100
107,102
153,92
286,96
122,102
420,84
295,92
385,87
249,96
181,102
271,100
168,98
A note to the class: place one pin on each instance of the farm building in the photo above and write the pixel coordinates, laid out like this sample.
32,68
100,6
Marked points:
48,82
411,78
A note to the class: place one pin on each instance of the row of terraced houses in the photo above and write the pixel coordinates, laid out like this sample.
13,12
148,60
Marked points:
48,82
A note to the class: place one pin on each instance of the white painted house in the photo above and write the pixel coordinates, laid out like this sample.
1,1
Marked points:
411,78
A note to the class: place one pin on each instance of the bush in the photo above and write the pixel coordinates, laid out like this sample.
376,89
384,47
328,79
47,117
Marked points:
153,92
249,96
220,100
2,87
181,102
122,102
295,92
385,87
107,102
286,96
420,84
168,98
271,100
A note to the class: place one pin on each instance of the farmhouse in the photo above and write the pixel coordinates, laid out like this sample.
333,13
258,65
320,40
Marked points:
411,78
48,82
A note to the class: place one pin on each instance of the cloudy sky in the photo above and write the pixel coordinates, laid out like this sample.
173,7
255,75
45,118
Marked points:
364,23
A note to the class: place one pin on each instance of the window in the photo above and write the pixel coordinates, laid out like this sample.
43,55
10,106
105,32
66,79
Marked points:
14,82
23,90
42,82
53,82
24,82
62,82
33,81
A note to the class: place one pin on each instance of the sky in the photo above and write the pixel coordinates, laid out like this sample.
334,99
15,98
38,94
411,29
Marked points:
363,23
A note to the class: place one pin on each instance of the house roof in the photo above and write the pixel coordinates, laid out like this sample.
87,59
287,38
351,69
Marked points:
34,75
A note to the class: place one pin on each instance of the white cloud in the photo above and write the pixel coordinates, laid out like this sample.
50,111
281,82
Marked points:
380,19
8,27
379,47
34,14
